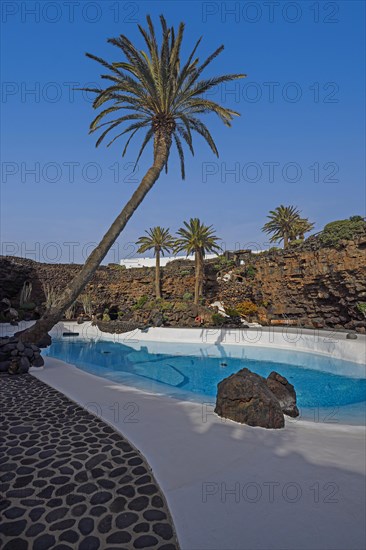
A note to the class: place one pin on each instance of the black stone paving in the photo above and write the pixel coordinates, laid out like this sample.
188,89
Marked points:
69,481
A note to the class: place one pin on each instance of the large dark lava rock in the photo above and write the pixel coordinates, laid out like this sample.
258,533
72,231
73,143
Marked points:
285,393
245,397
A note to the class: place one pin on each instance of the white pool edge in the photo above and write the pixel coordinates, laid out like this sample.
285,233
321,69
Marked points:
322,342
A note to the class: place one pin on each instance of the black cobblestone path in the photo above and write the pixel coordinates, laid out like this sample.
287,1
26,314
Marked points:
68,481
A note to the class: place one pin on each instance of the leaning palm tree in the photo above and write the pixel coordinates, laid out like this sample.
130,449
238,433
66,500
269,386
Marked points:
282,223
161,241
198,239
164,97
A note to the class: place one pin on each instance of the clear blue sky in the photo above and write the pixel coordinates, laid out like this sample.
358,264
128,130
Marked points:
302,108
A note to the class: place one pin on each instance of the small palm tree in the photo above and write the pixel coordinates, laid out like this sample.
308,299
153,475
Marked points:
198,239
302,226
282,223
163,96
161,241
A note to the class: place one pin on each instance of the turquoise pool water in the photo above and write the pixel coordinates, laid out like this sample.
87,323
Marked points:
328,390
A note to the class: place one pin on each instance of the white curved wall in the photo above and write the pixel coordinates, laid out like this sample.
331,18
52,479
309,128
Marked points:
322,342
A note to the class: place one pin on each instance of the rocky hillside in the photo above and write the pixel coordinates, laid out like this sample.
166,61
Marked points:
323,287
315,288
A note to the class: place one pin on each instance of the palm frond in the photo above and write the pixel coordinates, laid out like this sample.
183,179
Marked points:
157,238
195,236
181,154
163,93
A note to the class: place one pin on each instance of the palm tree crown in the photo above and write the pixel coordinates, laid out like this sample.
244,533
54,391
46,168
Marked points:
196,236
301,226
285,223
157,238
164,94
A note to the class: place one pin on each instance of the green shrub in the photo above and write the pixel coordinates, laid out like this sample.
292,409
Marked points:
187,296
185,272
361,307
141,302
164,305
150,305
246,308
250,271
180,306
218,320
342,230
106,317
223,263
232,312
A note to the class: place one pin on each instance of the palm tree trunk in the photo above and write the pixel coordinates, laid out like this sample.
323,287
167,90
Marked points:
197,279
54,314
285,240
199,276
202,272
157,275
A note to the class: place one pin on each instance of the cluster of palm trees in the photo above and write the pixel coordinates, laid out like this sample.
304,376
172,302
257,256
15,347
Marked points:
286,224
196,238
193,238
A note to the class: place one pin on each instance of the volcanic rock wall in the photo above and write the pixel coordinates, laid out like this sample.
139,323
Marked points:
317,288
111,286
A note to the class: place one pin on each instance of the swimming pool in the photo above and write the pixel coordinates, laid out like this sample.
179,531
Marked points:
328,390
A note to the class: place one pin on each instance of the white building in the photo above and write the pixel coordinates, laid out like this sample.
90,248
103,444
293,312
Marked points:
150,262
